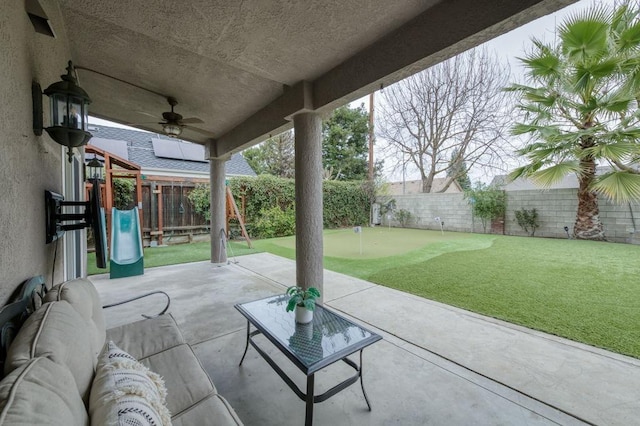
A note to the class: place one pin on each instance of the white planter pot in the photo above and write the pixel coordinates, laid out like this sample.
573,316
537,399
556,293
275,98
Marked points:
303,315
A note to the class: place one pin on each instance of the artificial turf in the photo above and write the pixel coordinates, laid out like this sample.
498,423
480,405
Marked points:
582,290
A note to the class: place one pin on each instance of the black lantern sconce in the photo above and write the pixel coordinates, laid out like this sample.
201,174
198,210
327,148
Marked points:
94,169
69,112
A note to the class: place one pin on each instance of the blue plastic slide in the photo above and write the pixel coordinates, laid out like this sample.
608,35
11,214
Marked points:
126,244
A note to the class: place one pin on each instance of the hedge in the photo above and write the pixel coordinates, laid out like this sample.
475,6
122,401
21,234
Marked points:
346,204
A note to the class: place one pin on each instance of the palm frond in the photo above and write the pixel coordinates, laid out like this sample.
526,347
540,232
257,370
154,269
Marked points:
542,65
518,88
540,96
629,38
614,151
618,101
584,35
523,172
618,186
523,129
554,174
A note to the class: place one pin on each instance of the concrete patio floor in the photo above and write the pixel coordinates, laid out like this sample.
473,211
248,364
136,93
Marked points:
436,365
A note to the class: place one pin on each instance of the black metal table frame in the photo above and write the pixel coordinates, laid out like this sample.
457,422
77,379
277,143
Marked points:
309,396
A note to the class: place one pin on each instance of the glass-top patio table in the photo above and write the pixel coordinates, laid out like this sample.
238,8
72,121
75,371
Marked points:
330,337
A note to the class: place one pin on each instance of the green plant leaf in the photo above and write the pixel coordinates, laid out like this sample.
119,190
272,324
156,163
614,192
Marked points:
313,291
294,290
291,305
310,304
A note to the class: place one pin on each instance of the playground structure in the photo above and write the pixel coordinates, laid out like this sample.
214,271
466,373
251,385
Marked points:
127,256
234,213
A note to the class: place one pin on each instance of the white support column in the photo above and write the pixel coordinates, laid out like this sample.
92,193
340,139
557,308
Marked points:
308,181
218,209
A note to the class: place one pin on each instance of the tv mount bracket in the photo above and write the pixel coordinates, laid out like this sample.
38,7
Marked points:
55,218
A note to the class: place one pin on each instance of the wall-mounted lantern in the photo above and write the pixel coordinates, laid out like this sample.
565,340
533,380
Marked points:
68,113
94,169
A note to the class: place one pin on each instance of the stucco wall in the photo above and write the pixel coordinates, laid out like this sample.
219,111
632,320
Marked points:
28,164
556,209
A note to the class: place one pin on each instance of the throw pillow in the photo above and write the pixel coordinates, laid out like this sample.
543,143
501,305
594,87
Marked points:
125,392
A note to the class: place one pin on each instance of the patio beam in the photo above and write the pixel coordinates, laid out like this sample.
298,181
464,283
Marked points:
440,32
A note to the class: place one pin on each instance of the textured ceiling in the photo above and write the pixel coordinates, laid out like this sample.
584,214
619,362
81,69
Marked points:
239,66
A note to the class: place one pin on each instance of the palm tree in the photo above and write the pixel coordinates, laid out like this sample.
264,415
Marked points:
581,110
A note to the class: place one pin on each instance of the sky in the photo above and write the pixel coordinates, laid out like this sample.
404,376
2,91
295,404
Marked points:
508,46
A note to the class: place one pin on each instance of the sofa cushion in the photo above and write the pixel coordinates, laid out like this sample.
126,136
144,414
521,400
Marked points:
187,382
147,337
212,407
41,392
125,392
58,332
83,296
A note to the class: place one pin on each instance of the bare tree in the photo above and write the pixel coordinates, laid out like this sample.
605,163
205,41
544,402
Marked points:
453,113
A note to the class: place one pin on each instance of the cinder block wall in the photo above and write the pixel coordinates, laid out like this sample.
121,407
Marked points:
453,209
556,209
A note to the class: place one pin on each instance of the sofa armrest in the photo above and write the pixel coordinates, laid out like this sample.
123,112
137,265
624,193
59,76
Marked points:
140,297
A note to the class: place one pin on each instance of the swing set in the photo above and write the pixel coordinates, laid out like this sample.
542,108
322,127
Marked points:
234,213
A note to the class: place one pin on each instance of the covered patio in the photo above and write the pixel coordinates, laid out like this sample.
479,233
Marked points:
244,71
436,365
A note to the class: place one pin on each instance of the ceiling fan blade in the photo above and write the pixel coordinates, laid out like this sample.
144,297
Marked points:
142,123
191,120
146,113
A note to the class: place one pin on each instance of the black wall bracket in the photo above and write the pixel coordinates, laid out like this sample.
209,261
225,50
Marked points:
55,217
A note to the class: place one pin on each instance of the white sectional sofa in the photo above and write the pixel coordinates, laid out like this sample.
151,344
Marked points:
51,364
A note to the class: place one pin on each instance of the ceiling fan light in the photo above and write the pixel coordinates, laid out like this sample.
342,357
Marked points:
172,130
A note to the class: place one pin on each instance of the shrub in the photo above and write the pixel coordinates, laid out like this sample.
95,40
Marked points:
199,198
487,203
527,220
346,204
123,190
275,222
403,216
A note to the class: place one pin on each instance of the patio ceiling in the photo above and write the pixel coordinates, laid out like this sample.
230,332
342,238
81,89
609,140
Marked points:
245,67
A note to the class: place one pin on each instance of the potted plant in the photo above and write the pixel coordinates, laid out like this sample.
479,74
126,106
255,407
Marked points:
303,301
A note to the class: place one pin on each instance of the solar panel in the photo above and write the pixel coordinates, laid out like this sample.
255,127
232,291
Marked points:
178,150
192,151
112,146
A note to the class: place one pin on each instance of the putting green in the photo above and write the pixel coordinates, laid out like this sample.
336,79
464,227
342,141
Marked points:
376,242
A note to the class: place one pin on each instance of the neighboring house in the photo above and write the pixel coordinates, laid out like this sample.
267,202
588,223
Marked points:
415,187
162,156
170,169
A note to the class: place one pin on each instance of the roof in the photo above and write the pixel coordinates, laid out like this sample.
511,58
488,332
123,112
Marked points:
568,182
154,151
415,187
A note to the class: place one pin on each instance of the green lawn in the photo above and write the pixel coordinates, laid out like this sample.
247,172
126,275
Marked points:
582,290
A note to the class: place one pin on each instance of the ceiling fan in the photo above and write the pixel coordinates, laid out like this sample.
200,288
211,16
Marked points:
174,123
